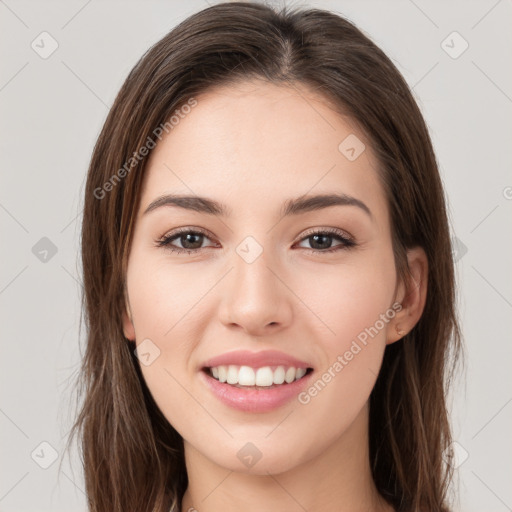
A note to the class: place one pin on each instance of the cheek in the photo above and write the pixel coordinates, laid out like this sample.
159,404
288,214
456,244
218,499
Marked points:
166,307
350,299
162,295
356,306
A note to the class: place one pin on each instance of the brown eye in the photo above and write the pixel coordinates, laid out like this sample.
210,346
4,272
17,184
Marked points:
189,239
321,241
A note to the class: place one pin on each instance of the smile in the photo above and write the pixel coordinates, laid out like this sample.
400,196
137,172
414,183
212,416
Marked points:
266,376
259,394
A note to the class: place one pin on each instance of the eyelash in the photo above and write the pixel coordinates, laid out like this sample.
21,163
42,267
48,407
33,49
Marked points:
347,242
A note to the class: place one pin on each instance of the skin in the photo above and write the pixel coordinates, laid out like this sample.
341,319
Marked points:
252,146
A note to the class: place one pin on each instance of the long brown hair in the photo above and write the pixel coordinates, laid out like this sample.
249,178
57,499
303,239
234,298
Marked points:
132,457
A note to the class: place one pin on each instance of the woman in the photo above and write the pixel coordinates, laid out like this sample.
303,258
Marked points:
268,277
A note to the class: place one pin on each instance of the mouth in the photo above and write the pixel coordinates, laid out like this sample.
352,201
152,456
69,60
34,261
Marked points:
255,382
255,390
264,377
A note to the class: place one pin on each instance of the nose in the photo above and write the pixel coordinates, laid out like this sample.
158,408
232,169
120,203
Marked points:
256,298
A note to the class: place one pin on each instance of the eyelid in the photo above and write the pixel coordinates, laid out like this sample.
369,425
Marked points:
347,239
331,231
178,231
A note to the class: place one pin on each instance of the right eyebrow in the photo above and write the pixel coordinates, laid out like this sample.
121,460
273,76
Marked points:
195,203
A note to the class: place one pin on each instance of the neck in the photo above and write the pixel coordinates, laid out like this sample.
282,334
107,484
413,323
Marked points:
337,480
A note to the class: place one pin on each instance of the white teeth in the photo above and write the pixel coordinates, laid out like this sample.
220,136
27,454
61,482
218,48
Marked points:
300,373
223,373
232,374
246,376
263,377
290,375
279,375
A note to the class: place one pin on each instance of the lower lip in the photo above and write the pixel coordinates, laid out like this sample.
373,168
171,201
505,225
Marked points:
255,400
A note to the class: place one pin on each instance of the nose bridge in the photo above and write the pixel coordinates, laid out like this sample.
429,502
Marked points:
254,297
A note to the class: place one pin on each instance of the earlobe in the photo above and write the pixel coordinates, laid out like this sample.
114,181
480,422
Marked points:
413,296
128,328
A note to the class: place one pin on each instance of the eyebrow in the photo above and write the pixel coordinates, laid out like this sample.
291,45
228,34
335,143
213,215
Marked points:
295,206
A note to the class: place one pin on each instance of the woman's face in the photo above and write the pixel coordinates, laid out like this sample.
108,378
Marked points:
256,278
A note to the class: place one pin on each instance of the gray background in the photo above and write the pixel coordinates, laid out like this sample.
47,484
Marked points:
51,112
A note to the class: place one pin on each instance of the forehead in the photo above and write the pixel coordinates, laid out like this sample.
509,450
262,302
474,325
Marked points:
251,143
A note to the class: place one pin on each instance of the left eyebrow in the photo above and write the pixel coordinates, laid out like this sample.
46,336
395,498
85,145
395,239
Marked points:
310,203
295,206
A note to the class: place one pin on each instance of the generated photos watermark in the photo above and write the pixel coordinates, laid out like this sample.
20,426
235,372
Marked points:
143,151
344,359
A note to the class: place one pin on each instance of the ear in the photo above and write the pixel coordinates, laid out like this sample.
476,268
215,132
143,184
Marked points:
128,328
412,295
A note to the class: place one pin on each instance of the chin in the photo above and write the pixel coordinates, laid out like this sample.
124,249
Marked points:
259,457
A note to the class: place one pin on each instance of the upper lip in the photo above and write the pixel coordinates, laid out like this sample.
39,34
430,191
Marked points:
255,359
